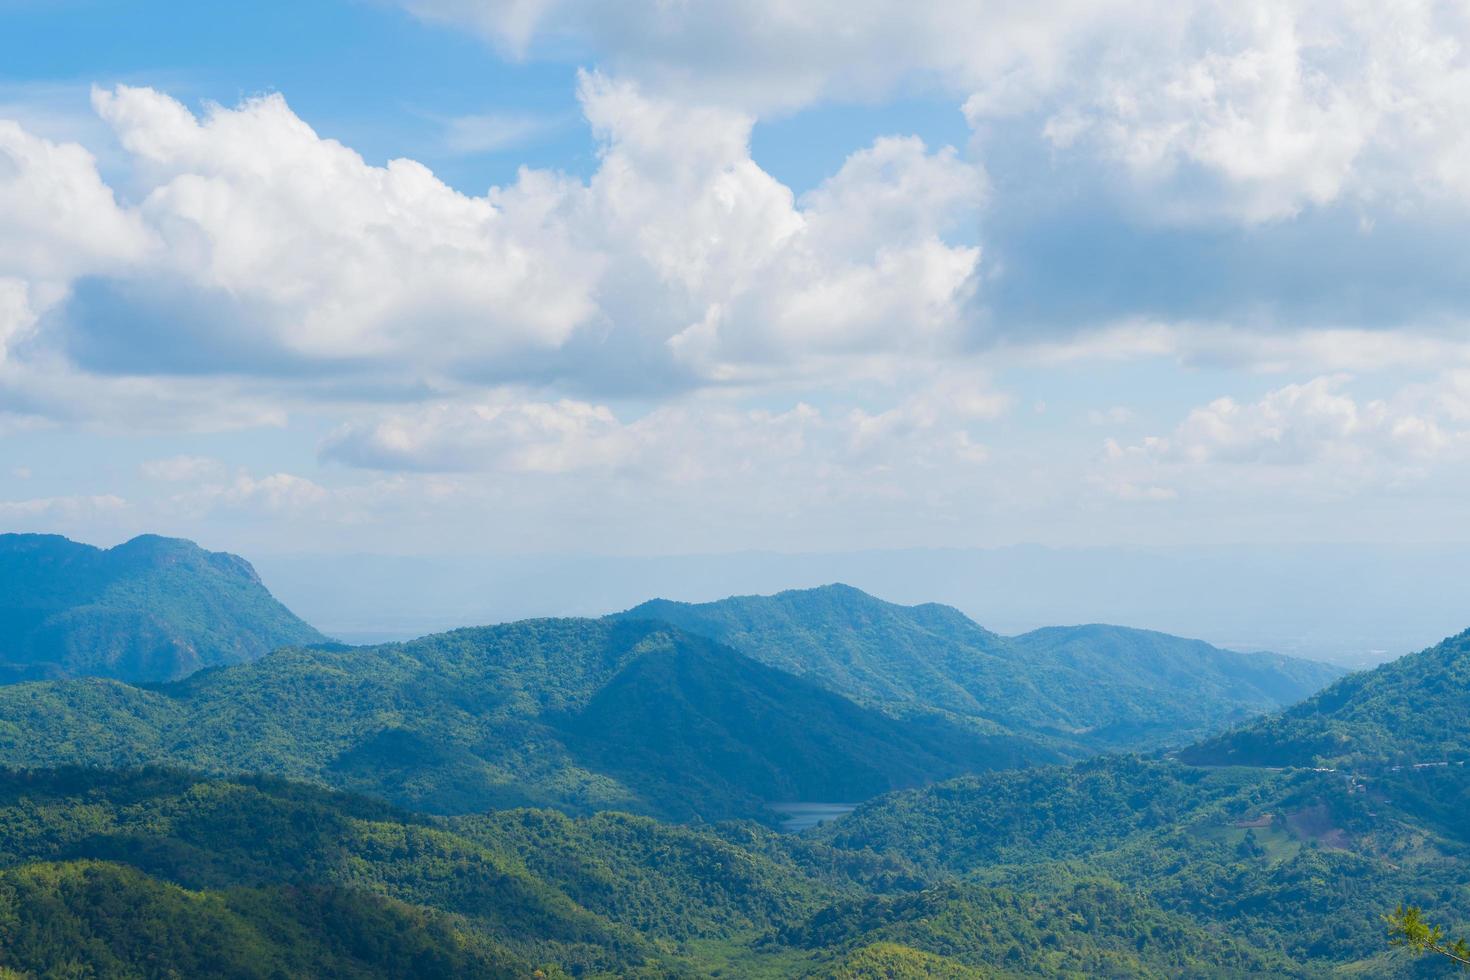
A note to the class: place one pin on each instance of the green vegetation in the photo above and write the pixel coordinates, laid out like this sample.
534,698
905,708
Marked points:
152,609
180,872
1410,712
97,919
578,714
1073,690
890,961
1407,928
1295,863
490,765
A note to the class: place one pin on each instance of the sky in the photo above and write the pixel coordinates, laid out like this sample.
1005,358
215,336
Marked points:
665,277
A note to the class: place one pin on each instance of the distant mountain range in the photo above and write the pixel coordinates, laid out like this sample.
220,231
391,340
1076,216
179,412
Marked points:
152,609
823,695
1083,688
578,714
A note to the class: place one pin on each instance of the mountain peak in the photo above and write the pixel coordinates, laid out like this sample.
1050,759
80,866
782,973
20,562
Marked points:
153,608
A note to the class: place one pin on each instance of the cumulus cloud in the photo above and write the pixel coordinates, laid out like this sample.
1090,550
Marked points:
753,282
338,260
1251,111
1299,424
261,249
60,221
766,55
1259,110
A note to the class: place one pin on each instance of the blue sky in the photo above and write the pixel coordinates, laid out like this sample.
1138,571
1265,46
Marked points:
468,276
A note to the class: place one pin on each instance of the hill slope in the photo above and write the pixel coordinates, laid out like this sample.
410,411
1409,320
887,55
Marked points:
165,871
577,714
1298,862
1096,687
1414,710
152,609
88,918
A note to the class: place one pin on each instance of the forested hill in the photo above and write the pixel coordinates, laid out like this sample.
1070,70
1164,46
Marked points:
1299,862
1097,687
166,874
578,714
152,609
1412,711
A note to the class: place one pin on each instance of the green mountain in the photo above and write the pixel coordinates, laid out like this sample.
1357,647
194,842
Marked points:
1412,711
578,714
1298,864
1088,687
152,609
161,873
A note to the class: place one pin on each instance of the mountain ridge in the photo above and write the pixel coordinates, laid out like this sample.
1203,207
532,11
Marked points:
1409,711
150,609
542,712
1150,690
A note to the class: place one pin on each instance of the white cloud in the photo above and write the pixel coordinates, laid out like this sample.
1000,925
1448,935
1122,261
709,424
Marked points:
58,221
16,315
46,390
1250,110
754,283
502,432
338,260
275,492
61,220
686,441
1300,424
265,250
1281,106
276,495
769,54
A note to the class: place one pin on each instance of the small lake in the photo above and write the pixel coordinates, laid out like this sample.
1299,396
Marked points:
804,816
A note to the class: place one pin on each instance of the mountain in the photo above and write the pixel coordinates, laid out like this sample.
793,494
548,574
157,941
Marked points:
1293,833
1299,863
153,609
1139,689
1412,711
578,714
164,873
1088,687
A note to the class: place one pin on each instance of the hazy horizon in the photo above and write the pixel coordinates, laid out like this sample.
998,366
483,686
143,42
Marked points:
1339,603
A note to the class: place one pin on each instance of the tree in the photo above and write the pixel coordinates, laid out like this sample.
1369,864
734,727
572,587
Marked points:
1407,928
